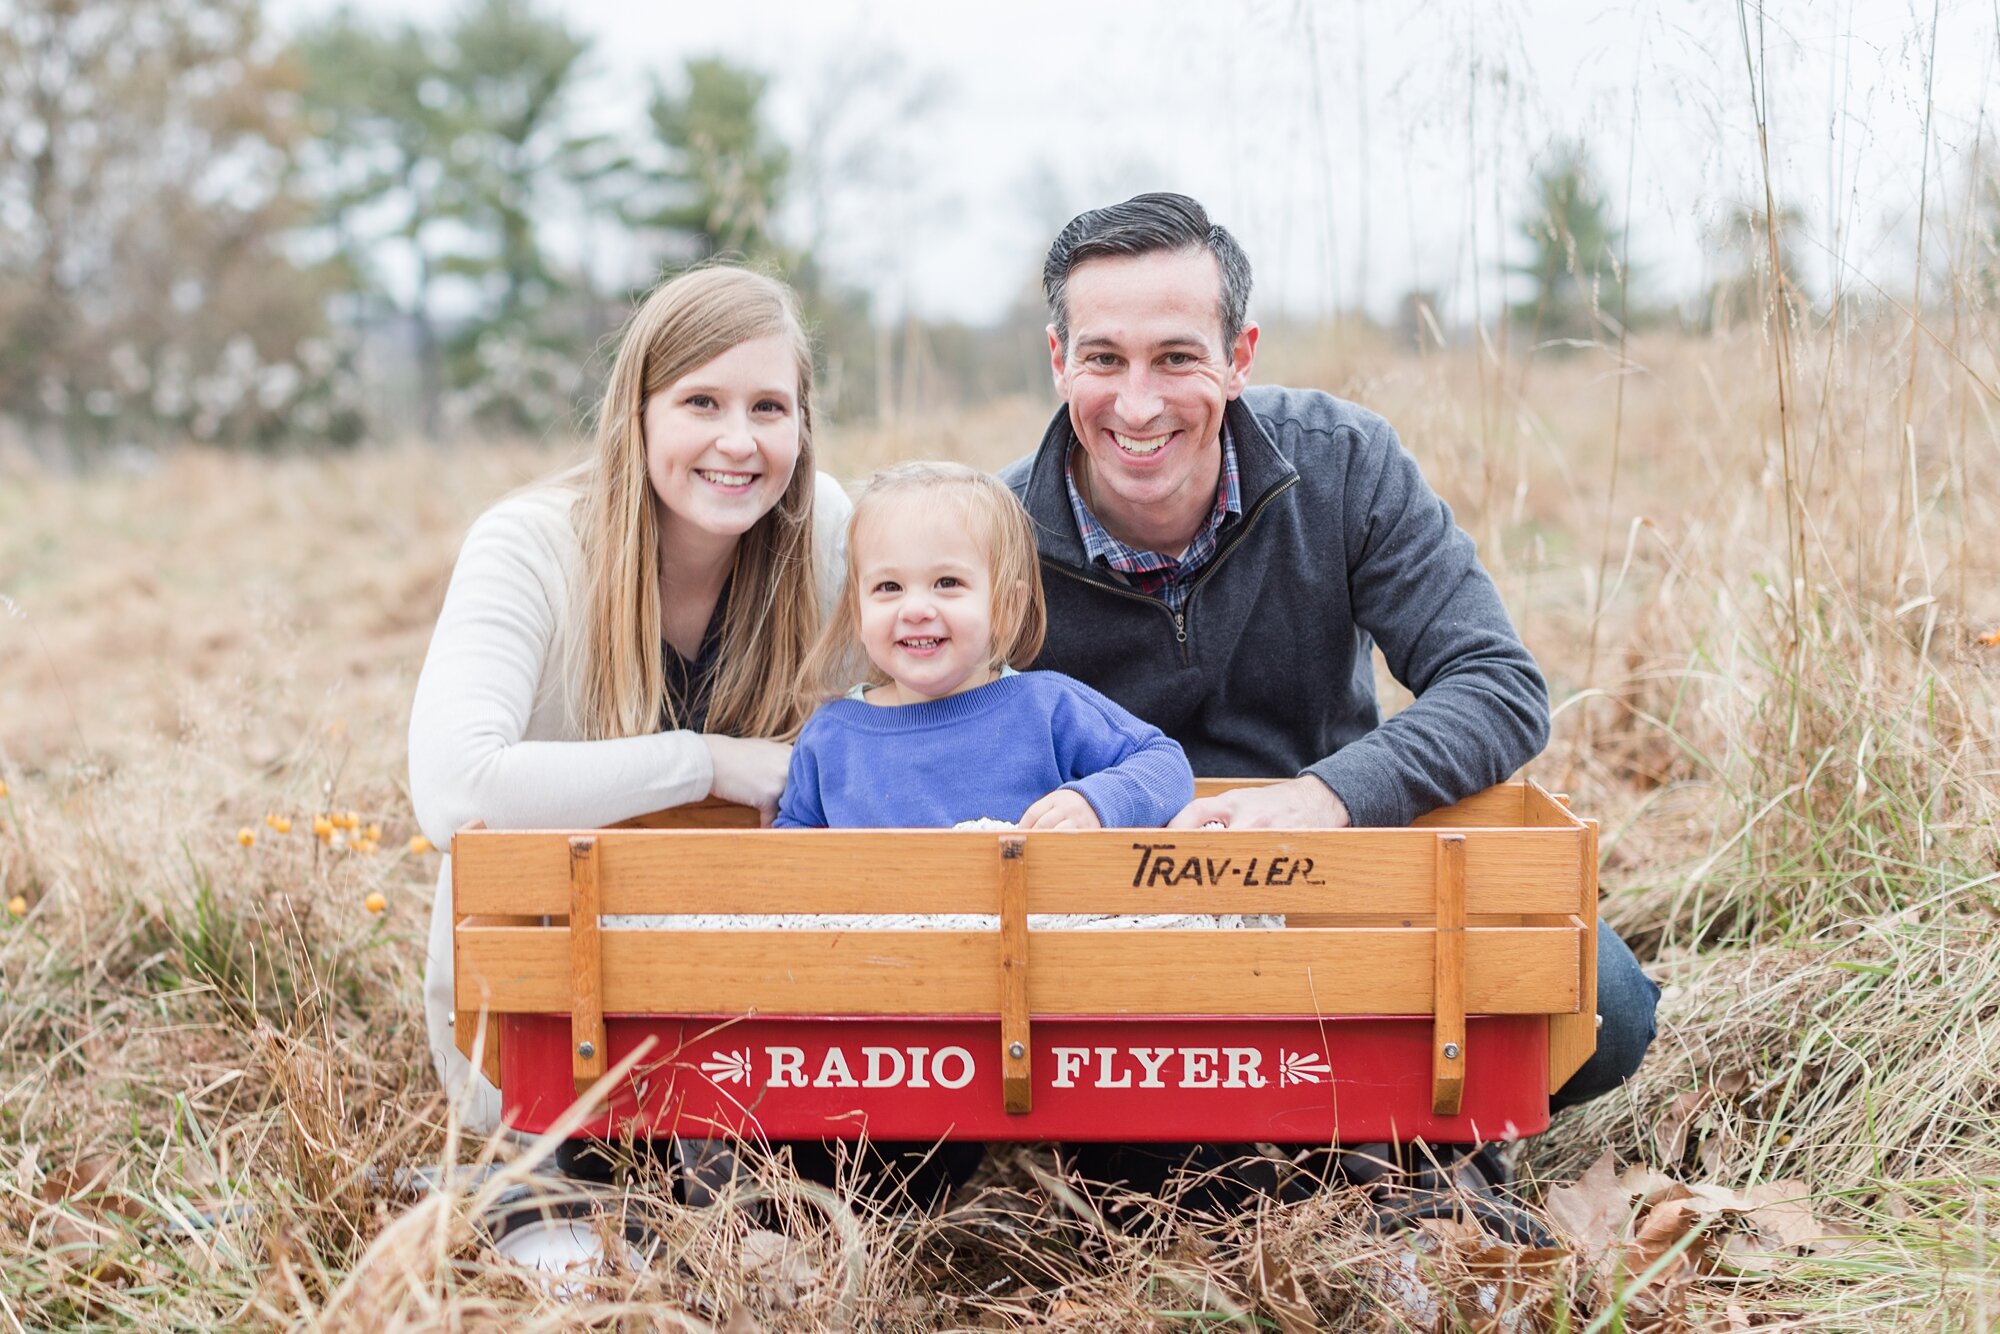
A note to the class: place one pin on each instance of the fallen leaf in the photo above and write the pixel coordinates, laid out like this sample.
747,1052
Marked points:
1670,1133
1594,1212
1660,1232
1780,1211
1281,1294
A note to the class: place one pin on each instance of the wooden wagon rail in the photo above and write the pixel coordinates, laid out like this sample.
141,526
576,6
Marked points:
1485,908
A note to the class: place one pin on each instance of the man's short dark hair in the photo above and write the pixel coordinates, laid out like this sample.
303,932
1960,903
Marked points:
1145,225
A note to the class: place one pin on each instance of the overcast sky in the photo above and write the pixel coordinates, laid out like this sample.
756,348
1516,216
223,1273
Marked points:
1358,150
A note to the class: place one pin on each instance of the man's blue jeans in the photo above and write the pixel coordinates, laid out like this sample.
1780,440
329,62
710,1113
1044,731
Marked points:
1626,999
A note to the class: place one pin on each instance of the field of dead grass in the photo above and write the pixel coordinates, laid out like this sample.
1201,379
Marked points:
1791,730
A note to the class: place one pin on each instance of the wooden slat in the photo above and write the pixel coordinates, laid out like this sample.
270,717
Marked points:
1573,1035
586,979
1498,807
1016,1052
1385,871
1509,970
466,1013
1448,1028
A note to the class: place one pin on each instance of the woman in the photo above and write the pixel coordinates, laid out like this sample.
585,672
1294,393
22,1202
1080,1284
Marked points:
628,635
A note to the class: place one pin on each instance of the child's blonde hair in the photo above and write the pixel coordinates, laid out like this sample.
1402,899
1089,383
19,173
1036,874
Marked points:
1020,612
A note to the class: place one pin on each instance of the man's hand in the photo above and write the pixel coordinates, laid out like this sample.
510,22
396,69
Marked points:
1297,803
1063,808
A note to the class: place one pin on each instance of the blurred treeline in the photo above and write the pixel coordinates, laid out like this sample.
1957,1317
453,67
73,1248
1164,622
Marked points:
378,227
210,231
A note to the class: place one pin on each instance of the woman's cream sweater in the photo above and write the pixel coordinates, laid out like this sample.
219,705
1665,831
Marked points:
492,730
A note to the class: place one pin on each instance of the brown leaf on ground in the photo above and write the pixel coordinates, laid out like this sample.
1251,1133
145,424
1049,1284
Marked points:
1280,1293
1664,1227
85,1183
1594,1212
1670,1134
1780,1212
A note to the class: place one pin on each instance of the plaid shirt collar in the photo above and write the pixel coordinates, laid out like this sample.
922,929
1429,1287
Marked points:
1151,572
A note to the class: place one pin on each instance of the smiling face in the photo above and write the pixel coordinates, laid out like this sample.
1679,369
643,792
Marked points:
1147,376
722,441
924,593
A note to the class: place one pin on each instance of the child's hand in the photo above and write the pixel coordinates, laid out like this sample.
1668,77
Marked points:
1063,808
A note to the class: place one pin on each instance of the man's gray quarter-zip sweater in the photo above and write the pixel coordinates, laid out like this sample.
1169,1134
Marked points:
1266,672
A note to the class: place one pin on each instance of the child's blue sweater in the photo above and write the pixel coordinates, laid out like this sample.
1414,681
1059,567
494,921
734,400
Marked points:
988,753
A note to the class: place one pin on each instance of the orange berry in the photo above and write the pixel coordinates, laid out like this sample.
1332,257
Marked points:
374,833
322,828
375,903
18,906
282,823
350,821
419,845
3,789
246,836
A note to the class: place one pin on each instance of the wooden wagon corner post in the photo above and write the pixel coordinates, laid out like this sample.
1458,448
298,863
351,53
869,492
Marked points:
1448,990
1017,1089
466,1020
1572,1037
586,965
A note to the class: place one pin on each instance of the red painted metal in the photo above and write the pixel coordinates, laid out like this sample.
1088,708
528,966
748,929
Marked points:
1297,1080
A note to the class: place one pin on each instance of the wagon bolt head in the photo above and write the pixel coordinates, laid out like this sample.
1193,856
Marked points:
1451,1051
1016,1050
586,1049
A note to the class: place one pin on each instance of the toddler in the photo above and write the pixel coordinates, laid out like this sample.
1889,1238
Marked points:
943,603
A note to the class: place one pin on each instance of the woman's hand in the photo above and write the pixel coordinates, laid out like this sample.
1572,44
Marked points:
1063,808
749,772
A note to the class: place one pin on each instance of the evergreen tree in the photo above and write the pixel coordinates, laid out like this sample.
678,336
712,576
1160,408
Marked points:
1574,254
725,172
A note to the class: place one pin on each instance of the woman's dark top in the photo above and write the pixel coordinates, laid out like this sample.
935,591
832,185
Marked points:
690,681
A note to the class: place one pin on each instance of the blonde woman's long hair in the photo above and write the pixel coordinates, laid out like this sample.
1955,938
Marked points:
616,655
1020,610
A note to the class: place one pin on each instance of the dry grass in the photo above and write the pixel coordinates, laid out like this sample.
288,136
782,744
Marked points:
1795,761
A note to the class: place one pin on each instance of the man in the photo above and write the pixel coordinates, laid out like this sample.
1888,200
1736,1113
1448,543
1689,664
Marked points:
1219,559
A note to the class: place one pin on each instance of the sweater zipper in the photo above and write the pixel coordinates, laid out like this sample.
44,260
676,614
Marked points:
1180,618
1187,607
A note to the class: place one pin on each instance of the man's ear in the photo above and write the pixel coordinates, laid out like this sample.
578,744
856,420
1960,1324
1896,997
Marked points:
1056,363
1240,356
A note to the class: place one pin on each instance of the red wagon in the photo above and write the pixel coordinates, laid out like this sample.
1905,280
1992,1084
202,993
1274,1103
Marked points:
1433,982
